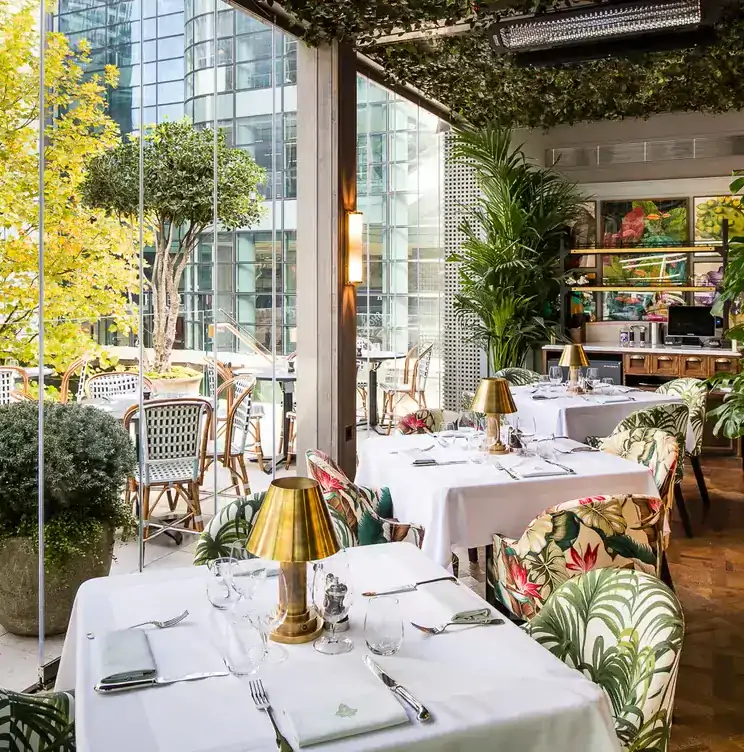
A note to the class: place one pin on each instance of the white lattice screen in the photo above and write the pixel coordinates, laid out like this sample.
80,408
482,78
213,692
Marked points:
463,361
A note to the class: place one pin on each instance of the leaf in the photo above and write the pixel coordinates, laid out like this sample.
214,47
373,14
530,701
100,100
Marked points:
565,529
629,548
605,516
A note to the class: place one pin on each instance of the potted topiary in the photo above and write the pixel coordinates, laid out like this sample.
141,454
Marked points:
87,458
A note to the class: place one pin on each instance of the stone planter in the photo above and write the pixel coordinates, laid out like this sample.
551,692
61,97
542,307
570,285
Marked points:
19,584
188,386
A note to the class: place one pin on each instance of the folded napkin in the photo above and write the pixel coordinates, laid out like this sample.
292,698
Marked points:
540,470
607,400
547,396
126,659
569,446
342,711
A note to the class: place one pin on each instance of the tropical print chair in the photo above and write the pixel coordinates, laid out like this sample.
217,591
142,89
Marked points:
234,524
422,421
518,376
694,393
37,723
623,630
570,539
367,511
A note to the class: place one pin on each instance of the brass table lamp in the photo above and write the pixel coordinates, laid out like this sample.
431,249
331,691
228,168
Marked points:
293,527
494,399
574,357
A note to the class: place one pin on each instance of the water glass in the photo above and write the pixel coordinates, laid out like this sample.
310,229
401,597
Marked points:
592,376
543,383
383,625
546,450
527,432
607,383
268,610
555,374
220,592
244,646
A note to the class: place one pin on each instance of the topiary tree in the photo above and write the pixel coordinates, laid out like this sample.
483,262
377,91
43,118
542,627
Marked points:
178,204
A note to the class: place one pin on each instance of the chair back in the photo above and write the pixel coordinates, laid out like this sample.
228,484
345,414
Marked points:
239,418
114,384
216,370
40,721
694,393
64,390
174,430
8,377
409,364
421,369
518,376
623,630
422,421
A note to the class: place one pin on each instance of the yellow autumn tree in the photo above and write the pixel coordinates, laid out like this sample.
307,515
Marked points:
90,260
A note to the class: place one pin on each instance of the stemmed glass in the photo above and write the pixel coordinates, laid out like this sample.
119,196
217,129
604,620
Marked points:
220,591
332,596
527,432
592,376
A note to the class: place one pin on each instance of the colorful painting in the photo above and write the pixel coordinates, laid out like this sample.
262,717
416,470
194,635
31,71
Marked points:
639,306
648,269
646,223
584,229
710,211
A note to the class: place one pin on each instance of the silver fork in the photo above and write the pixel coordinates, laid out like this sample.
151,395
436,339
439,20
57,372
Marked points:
261,700
473,623
163,624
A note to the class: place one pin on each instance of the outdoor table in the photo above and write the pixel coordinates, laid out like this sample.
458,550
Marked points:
465,504
489,687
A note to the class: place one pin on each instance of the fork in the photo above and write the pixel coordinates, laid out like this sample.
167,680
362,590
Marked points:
261,701
474,622
163,624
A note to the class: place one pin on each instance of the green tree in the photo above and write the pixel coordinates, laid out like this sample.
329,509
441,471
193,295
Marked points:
90,262
178,203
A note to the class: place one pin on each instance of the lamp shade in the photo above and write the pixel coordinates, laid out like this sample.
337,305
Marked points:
493,398
573,356
293,524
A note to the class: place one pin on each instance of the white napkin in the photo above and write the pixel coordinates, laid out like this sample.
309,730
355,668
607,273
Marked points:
569,446
607,400
540,470
342,711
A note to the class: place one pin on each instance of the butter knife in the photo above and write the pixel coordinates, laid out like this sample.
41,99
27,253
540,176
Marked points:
568,469
407,588
422,714
156,681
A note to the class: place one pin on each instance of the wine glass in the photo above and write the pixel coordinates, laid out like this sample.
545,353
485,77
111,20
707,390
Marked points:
244,573
555,374
592,376
332,597
268,610
383,625
220,592
527,430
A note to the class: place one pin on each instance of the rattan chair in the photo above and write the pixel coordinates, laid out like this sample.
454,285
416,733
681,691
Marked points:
80,364
415,375
173,454
8,377
115,384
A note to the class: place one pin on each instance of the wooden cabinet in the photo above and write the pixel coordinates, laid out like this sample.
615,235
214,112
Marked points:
636,365
665,365
722,364
693,366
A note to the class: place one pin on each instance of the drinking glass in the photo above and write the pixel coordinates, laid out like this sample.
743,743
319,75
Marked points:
527,431
592,376
383,625
555,374
243,645
220,592
244,574
332,597
546,449
543,383
267,610
607,383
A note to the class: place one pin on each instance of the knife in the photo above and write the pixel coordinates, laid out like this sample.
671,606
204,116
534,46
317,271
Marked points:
407,588
422,714
569,470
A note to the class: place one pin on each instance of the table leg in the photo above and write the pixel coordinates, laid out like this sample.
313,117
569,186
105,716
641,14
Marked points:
372,396
287,405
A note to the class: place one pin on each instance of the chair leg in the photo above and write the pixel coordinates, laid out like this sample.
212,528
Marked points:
257,448
473,556
196,507
684,516
145,512
666,575
244,473
702,487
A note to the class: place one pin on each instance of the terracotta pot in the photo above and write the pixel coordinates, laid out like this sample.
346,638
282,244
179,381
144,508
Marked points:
187,386
19,585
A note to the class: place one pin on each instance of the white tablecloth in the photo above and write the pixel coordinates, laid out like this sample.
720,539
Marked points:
466,504
486,687
578,416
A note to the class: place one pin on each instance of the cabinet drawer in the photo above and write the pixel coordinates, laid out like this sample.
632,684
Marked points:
637,364
665,365
693,366
722,364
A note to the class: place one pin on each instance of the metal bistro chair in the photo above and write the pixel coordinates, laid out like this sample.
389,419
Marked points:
231,447
173,456
115,384
8,377
415,375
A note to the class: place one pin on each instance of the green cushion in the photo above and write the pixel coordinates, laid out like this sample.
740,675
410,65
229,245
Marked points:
37,723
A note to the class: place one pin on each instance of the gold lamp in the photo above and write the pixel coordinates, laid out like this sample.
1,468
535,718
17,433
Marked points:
575,358
494,399
294,526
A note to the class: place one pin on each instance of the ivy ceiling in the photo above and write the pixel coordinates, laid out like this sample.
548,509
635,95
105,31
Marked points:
465,74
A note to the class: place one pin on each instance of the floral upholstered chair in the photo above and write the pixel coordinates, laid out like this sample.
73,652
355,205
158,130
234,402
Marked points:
37,723
518,376
694,393
234,524
422,421
623,630
570,539
367,511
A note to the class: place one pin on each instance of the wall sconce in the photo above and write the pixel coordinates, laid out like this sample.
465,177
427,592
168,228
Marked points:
354,247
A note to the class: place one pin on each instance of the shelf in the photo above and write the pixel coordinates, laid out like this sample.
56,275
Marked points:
639,288
634,251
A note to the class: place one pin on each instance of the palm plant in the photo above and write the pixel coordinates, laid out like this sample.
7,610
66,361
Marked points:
509,265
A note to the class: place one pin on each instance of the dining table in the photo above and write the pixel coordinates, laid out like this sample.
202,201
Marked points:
486,687
374,359
461,502
577,416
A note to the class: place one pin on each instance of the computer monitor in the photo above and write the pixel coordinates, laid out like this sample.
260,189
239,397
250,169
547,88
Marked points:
691,321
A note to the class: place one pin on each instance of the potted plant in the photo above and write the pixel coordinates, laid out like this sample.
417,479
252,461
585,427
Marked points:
509,260
178,206
87,458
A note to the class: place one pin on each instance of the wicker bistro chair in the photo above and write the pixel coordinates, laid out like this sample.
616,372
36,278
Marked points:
415,375
695,395
173,458
623,630
43,722
80,364
518,376
8,377
115,384
217,371
232,445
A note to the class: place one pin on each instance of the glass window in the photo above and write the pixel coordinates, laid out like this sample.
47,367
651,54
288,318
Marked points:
171,70
170,25
254,46
170,92
170,47
254,75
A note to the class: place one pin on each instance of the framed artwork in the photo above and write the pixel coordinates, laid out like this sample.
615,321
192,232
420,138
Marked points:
584,229
639,306
647,269
644,223
709,211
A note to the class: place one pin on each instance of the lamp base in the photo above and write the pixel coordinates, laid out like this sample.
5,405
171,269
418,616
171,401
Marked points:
499,448
300,624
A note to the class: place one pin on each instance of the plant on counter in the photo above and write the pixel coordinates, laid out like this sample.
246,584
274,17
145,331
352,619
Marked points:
508,262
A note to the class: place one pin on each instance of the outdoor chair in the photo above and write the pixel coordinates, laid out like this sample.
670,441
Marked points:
80,364
518,376
8,377
43,722
115,384
413,387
